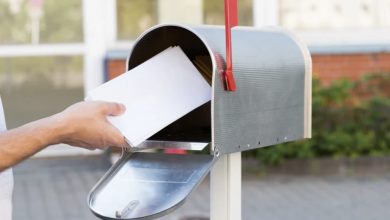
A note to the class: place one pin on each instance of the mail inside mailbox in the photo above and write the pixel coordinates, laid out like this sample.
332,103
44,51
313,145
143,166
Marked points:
196,125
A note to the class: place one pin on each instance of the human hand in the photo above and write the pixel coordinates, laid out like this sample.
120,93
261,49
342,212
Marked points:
85,125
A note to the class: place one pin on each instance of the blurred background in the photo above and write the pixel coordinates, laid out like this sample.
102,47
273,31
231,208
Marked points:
51,52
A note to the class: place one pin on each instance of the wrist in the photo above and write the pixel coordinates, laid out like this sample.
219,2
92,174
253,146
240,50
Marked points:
59,129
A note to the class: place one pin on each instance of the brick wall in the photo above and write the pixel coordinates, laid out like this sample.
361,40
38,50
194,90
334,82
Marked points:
351,66
115,67
327,67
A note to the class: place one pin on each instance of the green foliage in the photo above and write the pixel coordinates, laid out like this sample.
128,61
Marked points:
350,119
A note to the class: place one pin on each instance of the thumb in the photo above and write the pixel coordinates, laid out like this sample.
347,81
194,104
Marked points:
114,109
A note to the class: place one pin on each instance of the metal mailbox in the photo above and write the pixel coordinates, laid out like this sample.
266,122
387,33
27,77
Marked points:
272,105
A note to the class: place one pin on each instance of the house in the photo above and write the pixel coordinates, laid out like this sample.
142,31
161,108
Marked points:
52,52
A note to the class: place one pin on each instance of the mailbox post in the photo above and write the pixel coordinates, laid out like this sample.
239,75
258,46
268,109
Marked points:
225,188
225,177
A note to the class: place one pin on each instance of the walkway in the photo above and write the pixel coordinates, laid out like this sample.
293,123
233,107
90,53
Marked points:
48,189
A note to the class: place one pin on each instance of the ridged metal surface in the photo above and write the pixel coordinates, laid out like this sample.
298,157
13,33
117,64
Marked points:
268,106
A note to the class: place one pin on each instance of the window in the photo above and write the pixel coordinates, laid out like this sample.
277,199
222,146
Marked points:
335,14
135,16
35,87
40,21
214,12
45,81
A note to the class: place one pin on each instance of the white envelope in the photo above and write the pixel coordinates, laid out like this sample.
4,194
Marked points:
155,93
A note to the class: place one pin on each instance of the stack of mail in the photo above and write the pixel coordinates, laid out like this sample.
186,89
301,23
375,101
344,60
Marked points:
155,93
203,64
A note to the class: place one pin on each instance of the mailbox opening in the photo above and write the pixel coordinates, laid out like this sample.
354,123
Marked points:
195,126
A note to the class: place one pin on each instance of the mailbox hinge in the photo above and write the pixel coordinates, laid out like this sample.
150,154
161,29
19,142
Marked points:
231,20
216,152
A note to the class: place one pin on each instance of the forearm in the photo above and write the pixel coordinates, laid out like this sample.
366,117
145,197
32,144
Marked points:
83,124
20,143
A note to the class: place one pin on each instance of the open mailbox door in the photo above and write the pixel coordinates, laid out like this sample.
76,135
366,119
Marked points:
272,105
147,185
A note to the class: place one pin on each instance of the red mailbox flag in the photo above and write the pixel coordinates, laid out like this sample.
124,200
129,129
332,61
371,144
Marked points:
231,20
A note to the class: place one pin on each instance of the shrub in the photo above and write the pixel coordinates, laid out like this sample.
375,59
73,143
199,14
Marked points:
350,119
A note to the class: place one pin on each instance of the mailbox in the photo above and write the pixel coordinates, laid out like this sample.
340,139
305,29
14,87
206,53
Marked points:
272,105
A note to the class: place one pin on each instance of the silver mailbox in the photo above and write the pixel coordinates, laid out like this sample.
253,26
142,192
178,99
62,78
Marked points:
272,105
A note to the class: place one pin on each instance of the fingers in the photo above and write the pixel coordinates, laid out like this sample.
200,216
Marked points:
116,138
114,109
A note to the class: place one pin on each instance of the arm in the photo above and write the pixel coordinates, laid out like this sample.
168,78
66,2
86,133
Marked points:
83,124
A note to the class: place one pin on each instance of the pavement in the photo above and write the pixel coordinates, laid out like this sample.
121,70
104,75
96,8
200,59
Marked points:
57,189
